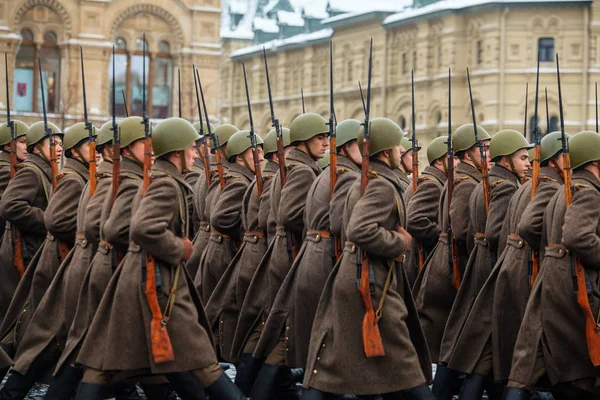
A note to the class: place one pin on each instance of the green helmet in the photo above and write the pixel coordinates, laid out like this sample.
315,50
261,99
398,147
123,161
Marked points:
464,137
346,131
306,126
550,145
197,127
323,162
385,134
21,129
507,142
240,142
270,144
437,148
223,133
37,132
76,134
173,134
584,147
105,134
130,130
407,144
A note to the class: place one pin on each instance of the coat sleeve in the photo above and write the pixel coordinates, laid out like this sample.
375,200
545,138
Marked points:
293,198
116,227
366,227
61,214
532,221
93,210
17,202
459,209
580,228
499,200
338,201
422,211
226,216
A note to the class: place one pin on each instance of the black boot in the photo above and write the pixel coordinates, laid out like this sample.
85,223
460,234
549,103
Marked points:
224,389
10,351
566,391
495,390
473,386
64,384
247,371
513,393
17,386
90,391
126,391
313,394
187,386
445,383
266,383
286,385
158,391
298,374
421,392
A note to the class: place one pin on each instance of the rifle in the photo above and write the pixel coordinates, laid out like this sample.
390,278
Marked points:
592,333
302,94
252,137
50,134
415,162
337,244
116,145
125,103
547,112
216,146
453,263
90,129
597,131
371,336
534,267
18,261
526,100
203,148
160,342
179,91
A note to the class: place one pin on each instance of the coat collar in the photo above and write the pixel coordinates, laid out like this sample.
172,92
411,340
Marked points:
40,163
345,162
131,167
5,156
78,167
236,169
504,174
469,170
551,173
298,156
383,170
588,177
270,168
166,168
436,173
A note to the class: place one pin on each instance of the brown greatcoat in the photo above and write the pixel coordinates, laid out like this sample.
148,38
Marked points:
113,235
503,184
294,309
47,326
227,229
225,303
433,290
405,181
336,360
4,179
192,177
422,208
553,319
118,338
22,206
61,222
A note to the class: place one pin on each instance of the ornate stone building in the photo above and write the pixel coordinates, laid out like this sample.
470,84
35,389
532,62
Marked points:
500,41
179,33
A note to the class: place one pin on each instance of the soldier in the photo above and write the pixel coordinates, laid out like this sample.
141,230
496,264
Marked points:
38,348
20,129
287,329
422,206
308,135
552,339
405,167
509,152
243,340
225,217
118,342
494,321
202,206
22,206
372,223
197,170
433,291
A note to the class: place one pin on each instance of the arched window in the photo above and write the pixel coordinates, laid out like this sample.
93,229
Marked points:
402,122
129,71
25,77
553,124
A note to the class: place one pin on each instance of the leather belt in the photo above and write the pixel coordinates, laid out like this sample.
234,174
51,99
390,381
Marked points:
253,236
555,251
317,235
104,247
218,237
80,239
204,225
480,239
350,247
516,241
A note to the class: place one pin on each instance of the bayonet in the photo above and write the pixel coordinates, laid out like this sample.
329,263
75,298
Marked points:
203,150
252,137
302,94
88,127
179,91
49,133
116,145
125,103
275,124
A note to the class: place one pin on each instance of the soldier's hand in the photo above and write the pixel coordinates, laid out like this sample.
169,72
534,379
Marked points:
406,236
187,249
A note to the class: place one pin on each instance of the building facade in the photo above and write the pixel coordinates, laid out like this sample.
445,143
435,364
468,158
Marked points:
499,41
46,36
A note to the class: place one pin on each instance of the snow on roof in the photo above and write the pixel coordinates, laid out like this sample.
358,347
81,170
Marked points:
455,5
290,18
277,44
270,6
244,28
238,7
265,25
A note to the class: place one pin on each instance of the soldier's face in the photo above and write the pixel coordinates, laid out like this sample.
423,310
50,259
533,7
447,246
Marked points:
45,144
353,152
395,154
318,145
190,154
137,149
22,148
249,157
407,161
520,161
477,153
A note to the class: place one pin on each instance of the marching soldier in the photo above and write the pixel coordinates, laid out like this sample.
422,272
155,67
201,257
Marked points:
405,167
433,290
20,129
22,206
203,195
197,171
552,340
38,348
422,206
508,149
159,238
372,223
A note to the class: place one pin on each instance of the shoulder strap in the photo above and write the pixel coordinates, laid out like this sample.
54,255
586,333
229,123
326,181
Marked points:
42,176
497,183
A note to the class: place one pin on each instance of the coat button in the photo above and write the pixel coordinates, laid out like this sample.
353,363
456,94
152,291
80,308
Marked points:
323,345
287,328
314,371
317,237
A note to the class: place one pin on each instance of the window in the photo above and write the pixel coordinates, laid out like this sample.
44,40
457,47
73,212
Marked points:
479,52
402,122
553,124
129,78
404,63
349,71
27,92
546,49
414,60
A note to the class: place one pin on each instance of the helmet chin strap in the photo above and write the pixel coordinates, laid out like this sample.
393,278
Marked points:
184,167
42,154
81,157
404,166
307,147
476,163
445,163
